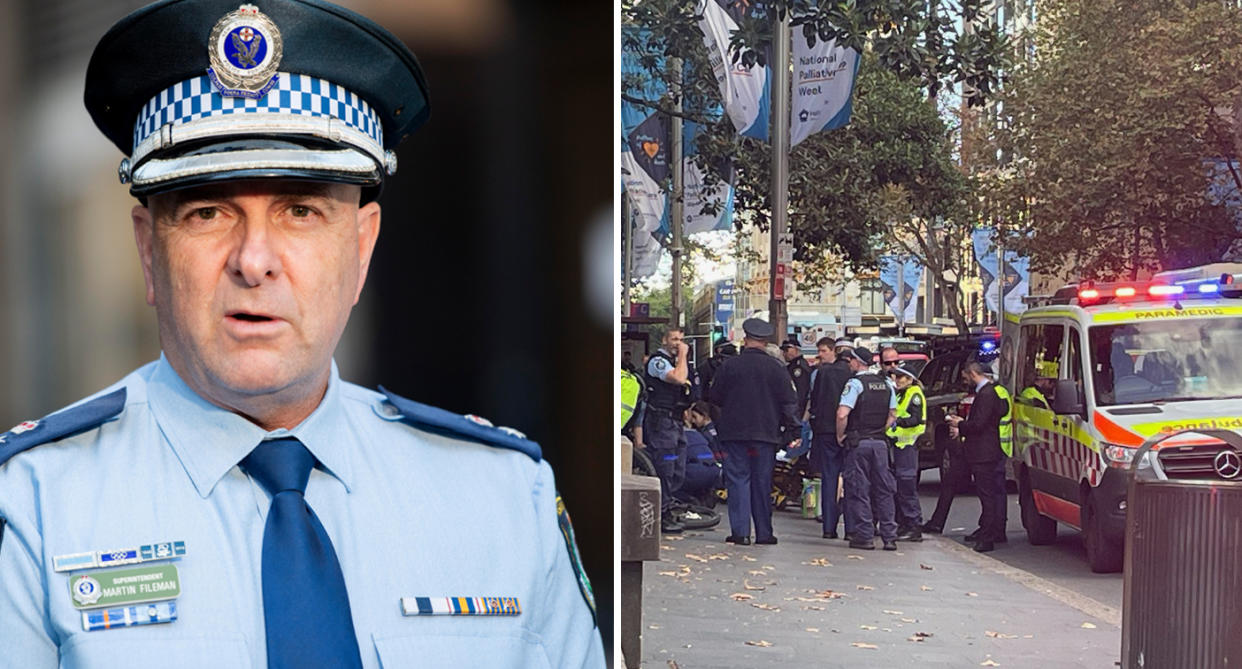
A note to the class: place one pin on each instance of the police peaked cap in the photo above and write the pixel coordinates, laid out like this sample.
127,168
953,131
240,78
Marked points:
198,91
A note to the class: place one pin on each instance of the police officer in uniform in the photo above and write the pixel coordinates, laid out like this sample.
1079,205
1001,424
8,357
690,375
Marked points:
757,403
724,350
910,424
830,379
236,502
799,371
669,394
867,408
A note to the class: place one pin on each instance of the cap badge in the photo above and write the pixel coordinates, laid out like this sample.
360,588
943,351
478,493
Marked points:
244,49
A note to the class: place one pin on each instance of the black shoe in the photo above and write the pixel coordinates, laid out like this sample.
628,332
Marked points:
741,541
670,525
767,541
974,536
830,535
1000,539
890,545
984,547
862,545
849,537
912,534
932,528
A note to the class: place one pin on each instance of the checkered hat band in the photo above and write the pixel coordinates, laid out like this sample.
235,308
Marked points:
298,94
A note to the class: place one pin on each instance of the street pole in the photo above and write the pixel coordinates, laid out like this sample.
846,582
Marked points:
779,194
676,211
1000,283
627,252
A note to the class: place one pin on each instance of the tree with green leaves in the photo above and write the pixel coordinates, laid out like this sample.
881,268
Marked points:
1100,160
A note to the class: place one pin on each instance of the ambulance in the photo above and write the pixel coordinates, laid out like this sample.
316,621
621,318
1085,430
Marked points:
1095,370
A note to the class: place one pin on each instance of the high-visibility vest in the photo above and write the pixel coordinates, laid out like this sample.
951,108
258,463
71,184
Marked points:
630,388
1037,398
904,436
1006,424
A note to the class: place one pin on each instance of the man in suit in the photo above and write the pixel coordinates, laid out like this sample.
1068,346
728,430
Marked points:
830,379
981,433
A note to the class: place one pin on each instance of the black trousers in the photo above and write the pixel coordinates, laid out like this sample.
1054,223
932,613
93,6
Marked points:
991,491
958,475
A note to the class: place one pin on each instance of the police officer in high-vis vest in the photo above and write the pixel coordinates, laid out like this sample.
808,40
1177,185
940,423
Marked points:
236,502
910,424
669,394
868,407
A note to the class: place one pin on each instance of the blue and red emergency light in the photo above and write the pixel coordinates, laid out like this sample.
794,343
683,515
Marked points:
1089,293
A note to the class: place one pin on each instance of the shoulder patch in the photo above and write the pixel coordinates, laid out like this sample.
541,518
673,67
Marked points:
61,425
448,423
571,544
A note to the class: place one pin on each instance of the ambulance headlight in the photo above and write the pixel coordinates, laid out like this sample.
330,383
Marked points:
1121,457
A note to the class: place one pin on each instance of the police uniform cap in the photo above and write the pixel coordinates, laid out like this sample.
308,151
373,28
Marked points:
789,343
863,355
844,342
757,328
346,93
904,372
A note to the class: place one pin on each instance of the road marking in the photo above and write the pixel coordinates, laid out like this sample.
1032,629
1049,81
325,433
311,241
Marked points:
1087,605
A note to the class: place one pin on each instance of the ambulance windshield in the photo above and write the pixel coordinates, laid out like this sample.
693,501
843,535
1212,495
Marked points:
1166,360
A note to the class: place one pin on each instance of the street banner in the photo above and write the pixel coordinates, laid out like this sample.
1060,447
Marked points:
745,91
823,86
1016,282
911,272
706,206
645,144
647,252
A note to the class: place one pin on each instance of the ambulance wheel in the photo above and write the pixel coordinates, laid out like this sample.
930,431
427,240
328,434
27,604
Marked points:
642,464
1040,530
1104,556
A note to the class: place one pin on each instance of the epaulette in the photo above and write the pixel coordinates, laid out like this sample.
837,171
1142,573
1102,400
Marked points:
61,425
431,419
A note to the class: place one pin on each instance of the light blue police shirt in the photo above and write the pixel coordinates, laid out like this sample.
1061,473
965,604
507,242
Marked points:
659,367
854,388
411,513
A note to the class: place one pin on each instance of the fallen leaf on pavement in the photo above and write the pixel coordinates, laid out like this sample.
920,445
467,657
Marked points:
766,607
925,566
668,573
760,643
697,558
741,596
824,594
666,548
768,566
999,635
1088,626
854,557
746,584
988,663
867,627
972,594
748,558
653,627
812,629
893,613
718,556
865,587
1028,636
757,572
667,538
909,620
859,644
926,588
813,608
925,635
916,638
819,562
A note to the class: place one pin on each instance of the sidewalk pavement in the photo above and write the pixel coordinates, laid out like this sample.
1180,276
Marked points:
822,604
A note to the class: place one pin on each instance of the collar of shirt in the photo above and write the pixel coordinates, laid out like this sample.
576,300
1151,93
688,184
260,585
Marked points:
979,386
209,441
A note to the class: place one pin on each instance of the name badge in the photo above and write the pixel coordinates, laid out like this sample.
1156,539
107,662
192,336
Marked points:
121,587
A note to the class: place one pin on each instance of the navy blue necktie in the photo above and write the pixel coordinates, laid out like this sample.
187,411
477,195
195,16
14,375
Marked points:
305,605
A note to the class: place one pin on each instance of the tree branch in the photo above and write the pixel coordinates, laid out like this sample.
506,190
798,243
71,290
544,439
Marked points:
695,118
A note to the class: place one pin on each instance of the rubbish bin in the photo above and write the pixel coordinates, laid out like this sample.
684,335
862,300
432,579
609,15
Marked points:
1183,559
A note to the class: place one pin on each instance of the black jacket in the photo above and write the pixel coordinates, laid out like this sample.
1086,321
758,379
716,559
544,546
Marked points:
756,399
800,374
825,395
981,429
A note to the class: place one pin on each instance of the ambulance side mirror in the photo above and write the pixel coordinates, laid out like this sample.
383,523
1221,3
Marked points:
1068,399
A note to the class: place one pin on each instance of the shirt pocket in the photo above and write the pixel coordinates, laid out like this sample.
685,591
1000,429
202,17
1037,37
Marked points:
109,649
507,651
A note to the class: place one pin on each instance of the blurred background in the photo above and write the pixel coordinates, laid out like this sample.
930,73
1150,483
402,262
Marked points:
490,291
